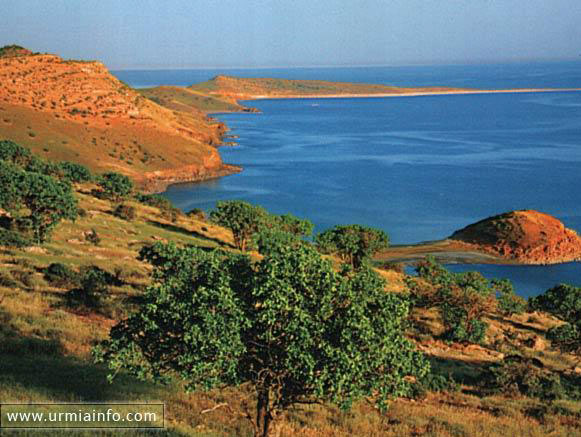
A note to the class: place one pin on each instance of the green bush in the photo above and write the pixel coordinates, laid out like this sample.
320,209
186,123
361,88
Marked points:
36,201
14,153
562,301
197,214
517,375
242,218
94,287
566,337
9,238
461,298
154,200
353,243
93,237
115,186
433,382
508,302
61,276
75,172
125,212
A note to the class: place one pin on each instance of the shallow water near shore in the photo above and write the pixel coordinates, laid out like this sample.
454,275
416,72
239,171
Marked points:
417,167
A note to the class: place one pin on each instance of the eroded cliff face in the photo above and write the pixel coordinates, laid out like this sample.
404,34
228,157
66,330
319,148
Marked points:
78,111
527,237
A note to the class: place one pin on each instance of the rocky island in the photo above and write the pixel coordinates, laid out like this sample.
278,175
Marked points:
515,237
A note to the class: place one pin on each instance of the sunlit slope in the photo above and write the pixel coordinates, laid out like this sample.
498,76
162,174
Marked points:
77,110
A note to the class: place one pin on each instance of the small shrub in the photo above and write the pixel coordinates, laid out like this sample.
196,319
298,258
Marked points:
433,382
75,172
94,287
395,267
517,375
93,237
115,186
125,212
6,280
10,238
508,302
25,277
61,276
82,212
197,214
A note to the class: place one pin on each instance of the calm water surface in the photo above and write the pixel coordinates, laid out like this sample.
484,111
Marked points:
417,167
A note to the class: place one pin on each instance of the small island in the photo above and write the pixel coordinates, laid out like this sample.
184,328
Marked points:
515,237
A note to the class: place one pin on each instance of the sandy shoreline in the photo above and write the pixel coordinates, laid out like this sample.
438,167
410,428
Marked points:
414,94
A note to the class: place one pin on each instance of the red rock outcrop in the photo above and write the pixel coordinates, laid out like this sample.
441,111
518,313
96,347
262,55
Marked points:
527,237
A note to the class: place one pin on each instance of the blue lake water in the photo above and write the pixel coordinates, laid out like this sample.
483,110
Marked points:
417,167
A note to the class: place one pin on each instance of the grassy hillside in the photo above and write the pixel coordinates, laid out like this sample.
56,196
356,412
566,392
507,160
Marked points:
248,88
45,344
77,110
187,100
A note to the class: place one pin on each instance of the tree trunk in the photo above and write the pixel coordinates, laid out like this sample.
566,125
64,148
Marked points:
263,417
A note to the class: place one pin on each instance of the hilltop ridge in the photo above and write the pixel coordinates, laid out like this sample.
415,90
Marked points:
77,110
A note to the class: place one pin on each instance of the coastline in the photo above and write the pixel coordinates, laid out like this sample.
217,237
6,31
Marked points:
412,94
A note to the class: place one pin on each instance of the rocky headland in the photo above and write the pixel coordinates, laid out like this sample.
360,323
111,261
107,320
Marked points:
78,111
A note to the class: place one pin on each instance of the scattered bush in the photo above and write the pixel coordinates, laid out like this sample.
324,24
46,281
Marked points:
166,208
395,267
433,382
93,237
25,277
517,375
154,200
242,218
115,186
6,280
125,212
10,238
37,202
197,214
566,337
61,276
14,153
508,302
353,243
461,298
94,287
75,172
562,301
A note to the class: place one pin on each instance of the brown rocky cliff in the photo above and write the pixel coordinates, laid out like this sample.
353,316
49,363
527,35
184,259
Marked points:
527,237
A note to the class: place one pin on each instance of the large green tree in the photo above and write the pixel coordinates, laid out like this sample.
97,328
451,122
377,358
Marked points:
242,218
353,243
35,201
49,201
115,186
288,327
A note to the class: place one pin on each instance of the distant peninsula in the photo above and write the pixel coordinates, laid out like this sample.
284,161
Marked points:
224,93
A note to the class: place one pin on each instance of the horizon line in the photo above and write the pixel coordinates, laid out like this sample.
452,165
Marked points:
330,66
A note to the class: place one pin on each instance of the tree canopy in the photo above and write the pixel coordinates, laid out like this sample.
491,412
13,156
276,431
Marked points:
353,243
288,327
115,186
34,200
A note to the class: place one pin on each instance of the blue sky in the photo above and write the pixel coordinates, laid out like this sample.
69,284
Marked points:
287,33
